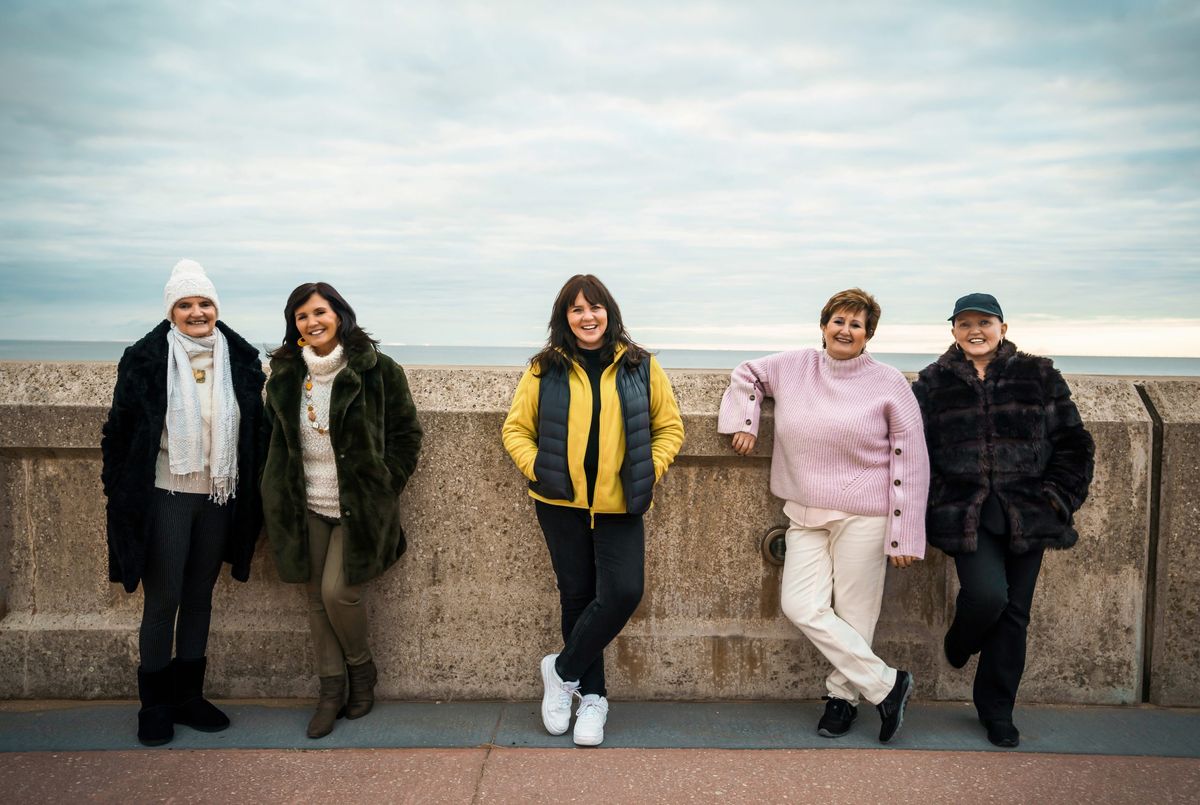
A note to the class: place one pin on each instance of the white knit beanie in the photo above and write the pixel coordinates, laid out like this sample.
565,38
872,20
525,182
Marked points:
188,279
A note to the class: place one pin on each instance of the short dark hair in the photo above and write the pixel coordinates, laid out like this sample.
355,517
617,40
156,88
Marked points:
855,300
350,335
561,346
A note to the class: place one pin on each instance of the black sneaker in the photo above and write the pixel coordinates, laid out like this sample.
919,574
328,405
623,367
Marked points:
839,715
1003,733
891,709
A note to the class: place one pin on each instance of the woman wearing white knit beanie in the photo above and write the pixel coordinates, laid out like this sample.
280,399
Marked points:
850,463
179,450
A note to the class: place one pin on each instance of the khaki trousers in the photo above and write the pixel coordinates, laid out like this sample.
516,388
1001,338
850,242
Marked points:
833,590
336,615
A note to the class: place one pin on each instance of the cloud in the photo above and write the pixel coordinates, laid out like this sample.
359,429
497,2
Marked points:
723,163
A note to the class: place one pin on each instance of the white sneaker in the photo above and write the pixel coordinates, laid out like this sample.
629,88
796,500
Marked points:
556,698
589,720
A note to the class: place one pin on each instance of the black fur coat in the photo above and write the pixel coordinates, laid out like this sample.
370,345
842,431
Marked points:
376,438
130,444
1016,433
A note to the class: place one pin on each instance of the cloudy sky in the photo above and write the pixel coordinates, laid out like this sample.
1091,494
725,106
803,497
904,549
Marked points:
724,167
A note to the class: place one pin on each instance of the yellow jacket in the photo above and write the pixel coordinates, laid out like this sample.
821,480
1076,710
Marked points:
520,433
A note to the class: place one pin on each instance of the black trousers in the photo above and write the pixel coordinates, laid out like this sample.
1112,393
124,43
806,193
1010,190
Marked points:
183,560
991,617
600,574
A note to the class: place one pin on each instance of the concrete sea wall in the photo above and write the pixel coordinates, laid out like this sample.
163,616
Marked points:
471,607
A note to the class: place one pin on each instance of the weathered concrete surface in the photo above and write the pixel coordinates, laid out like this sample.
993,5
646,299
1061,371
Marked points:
1175,660
472,606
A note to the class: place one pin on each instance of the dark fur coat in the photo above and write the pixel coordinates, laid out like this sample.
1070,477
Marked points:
1016,433
130,443
376,437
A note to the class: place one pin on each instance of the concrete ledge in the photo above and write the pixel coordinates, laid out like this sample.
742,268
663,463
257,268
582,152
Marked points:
472,606
1175,661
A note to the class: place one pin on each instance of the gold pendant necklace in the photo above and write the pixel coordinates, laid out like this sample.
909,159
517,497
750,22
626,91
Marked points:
312,412
199,375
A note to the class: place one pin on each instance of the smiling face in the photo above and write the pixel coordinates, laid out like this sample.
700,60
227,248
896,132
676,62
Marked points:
194,316
978,334
588,322
845,334
318,324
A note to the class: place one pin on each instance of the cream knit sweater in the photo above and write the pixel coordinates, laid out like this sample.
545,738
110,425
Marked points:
848,436
320,470
201,483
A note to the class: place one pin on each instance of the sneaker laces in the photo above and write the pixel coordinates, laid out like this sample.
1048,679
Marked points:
840,706
566,693
588,707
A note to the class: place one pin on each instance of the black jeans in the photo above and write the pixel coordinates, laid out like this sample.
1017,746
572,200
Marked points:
600,575
991,616
183,560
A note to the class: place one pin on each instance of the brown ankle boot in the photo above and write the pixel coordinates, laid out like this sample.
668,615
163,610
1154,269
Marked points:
330,706
362,689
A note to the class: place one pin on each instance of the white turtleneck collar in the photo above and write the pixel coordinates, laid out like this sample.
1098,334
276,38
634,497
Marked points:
323,366
848,367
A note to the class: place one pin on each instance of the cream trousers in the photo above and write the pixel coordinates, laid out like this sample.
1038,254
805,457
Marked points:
833,590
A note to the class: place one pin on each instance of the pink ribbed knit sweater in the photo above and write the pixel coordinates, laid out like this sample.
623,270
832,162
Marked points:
848,436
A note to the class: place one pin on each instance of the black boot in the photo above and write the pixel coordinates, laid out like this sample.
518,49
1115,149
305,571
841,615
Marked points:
954,655
155,689
1002,732
191,708
362,689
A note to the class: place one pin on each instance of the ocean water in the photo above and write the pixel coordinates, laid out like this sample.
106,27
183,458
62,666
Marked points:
424,355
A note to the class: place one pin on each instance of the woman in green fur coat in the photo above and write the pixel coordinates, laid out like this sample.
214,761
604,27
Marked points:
344,439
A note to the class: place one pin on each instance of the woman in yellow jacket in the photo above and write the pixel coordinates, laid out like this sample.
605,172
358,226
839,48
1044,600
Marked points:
593,426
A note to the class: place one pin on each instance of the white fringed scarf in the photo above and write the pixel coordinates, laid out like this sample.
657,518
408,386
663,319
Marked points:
185,425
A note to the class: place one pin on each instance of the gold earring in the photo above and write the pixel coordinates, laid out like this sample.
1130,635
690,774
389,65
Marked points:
300,342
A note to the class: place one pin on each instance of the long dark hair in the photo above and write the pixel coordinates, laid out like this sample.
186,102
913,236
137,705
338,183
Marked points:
352,337
561,347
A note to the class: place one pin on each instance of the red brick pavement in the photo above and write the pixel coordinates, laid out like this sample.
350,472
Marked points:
500,775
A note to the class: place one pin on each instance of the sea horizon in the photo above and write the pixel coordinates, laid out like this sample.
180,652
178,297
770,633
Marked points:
670,358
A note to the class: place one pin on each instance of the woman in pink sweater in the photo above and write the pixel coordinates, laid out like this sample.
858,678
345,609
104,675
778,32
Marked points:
851,466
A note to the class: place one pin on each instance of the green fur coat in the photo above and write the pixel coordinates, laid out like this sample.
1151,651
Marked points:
376,438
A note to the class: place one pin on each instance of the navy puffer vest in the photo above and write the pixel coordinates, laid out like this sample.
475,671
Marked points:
637,468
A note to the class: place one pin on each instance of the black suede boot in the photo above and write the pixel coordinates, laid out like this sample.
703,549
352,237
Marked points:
191,708
155,689
362,689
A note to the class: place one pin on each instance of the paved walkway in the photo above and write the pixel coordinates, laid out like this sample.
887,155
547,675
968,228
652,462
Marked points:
462,752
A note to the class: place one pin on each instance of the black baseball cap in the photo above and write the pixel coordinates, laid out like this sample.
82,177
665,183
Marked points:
983,302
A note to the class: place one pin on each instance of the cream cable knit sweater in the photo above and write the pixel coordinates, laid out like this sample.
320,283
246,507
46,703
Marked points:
848,436
320,471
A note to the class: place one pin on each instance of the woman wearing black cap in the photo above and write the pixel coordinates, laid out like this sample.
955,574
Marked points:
1010,464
